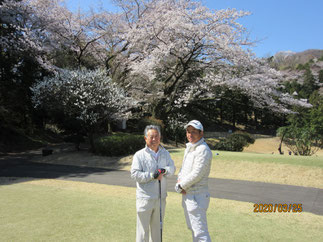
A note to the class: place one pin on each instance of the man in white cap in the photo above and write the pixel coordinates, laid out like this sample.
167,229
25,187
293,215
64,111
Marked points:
192,181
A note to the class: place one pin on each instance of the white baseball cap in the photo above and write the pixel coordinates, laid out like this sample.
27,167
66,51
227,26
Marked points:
196,124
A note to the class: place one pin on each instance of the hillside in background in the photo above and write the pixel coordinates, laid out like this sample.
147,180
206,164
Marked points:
294,65
288,59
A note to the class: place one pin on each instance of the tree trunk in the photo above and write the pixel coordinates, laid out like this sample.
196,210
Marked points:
280,144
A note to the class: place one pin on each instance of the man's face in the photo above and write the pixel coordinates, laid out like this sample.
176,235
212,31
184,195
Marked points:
152,139
193,135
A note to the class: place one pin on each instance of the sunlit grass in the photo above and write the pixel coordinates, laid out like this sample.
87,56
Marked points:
55,210
280,169
311,161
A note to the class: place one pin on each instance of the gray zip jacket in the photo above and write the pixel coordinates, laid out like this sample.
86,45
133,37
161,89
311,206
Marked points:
143,167
193,176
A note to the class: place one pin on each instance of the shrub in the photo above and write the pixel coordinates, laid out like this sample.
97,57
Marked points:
247,137
119,144
234,142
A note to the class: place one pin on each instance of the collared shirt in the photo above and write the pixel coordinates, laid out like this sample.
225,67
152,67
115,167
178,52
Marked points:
153,153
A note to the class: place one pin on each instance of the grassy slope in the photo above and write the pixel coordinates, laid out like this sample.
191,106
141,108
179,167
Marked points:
54,210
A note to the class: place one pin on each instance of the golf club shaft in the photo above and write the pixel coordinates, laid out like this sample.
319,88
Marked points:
160,213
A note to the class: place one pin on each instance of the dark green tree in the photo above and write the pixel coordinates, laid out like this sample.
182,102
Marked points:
309,85
304,133
321,76
316,113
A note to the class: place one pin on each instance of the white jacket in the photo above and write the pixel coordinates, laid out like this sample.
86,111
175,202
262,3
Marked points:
193,176
144,165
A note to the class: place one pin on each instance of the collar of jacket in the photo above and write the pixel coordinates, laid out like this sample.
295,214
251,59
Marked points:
160,147
190,145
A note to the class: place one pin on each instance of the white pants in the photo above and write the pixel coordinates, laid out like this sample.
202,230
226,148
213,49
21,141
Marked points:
195,206
148,219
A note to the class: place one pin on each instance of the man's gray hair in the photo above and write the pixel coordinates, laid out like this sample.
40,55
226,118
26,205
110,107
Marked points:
149,127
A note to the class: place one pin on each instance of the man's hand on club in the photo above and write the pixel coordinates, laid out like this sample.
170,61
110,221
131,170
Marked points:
159,173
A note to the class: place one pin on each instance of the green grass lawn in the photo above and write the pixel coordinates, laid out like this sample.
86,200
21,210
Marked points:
311,161
54,210
279,169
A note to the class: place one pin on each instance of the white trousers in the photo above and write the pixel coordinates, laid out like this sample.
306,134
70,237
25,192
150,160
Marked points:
195,207
148,219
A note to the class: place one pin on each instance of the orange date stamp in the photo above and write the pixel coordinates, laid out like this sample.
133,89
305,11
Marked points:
277,207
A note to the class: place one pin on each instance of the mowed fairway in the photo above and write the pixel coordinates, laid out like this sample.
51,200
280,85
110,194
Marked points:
261,162
271,168
56,210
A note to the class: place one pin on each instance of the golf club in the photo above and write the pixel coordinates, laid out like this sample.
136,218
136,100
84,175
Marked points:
160,213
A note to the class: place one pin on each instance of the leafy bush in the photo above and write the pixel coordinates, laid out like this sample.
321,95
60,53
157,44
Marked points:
119,144
234,142
247,137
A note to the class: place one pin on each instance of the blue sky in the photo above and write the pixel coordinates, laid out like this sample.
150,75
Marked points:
279,25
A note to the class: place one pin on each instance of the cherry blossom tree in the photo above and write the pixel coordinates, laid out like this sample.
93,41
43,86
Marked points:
30,29
48,29
53,37
168,41
88,96
74,33
165,52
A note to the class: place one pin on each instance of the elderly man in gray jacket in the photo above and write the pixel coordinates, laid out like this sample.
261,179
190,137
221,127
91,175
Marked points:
193,181
150,166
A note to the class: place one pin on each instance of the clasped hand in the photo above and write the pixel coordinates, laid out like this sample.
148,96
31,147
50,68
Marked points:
159,173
